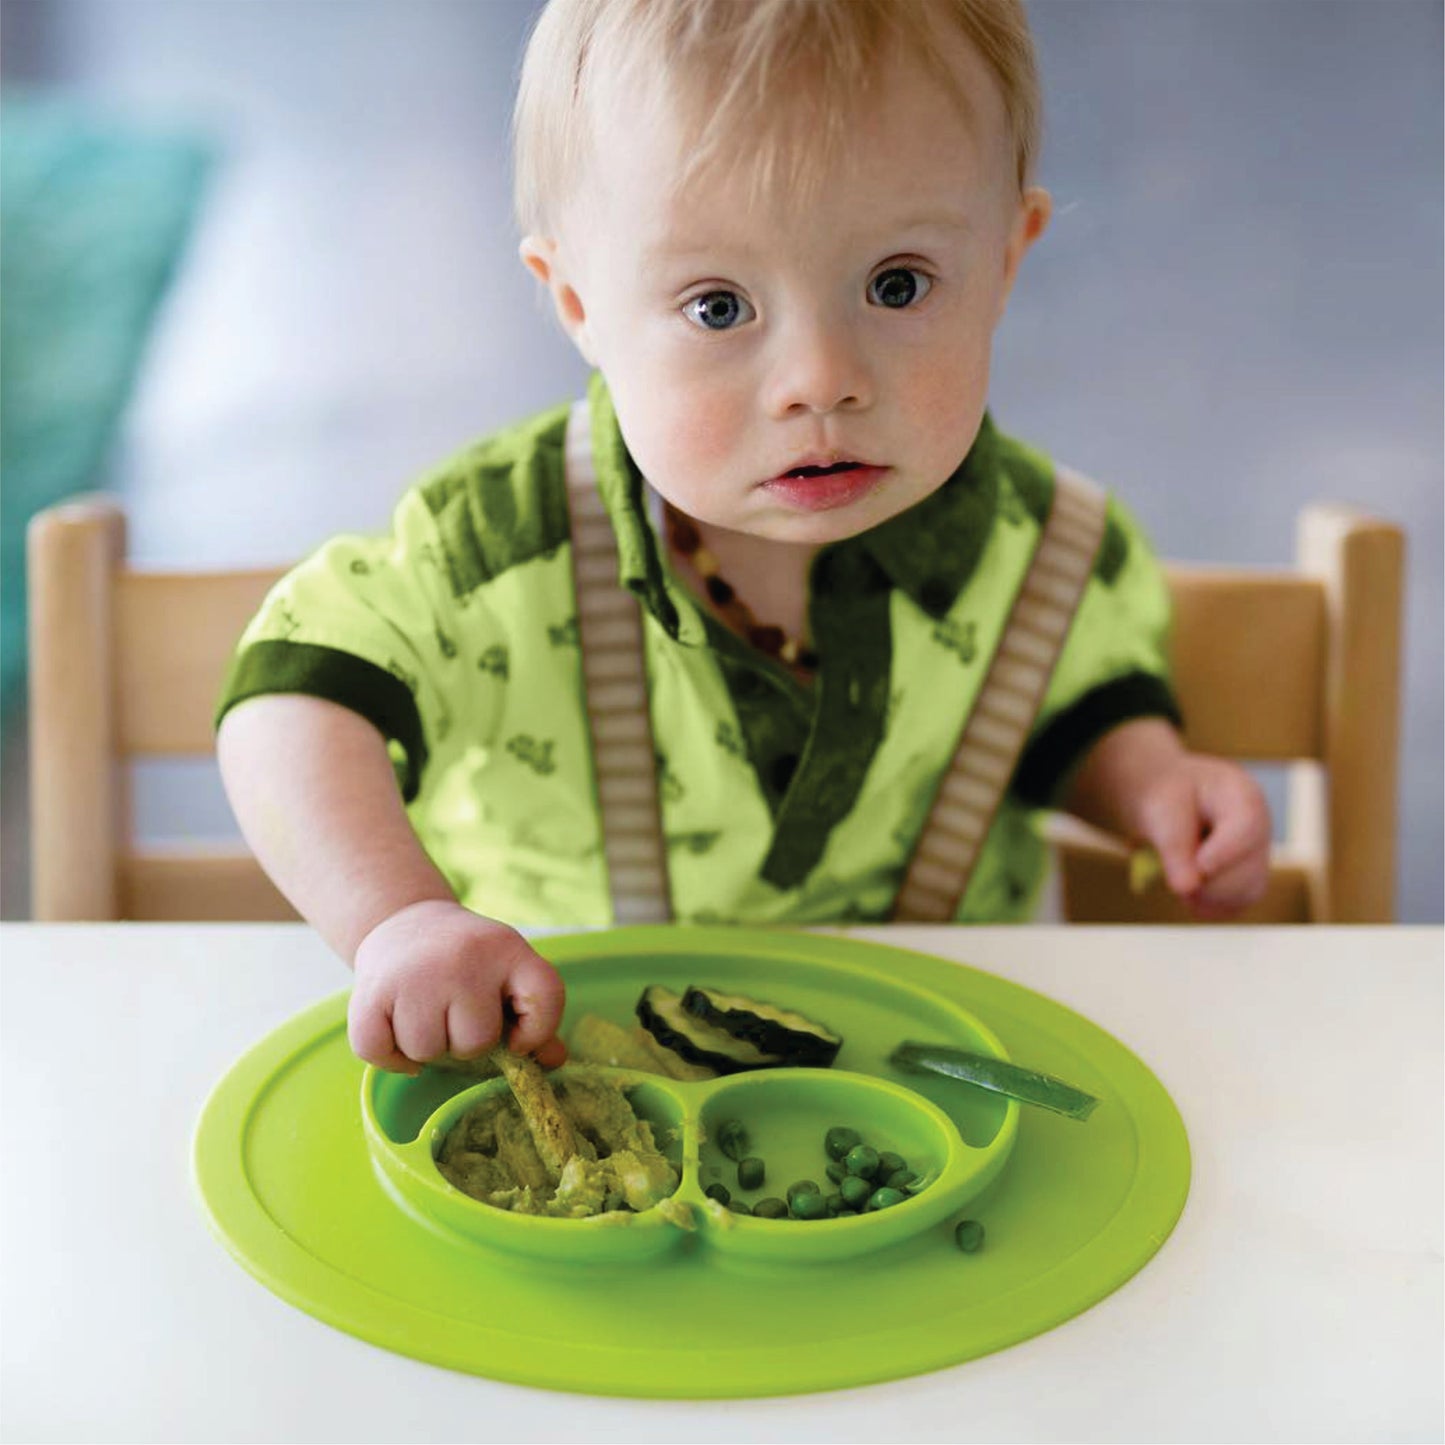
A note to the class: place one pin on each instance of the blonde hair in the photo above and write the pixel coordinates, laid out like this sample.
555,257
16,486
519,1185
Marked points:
724,63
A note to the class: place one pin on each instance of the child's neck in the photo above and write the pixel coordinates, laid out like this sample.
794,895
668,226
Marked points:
770,577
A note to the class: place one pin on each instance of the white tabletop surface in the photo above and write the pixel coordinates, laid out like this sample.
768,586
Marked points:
1299,1298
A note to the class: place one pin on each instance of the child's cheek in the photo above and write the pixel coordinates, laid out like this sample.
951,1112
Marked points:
684,435
706,426
943,403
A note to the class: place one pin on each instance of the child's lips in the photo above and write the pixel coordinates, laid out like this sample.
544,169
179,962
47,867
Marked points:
823,492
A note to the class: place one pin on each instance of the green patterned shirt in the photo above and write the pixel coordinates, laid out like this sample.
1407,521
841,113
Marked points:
456,635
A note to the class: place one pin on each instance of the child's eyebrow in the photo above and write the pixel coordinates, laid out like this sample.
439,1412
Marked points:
688,250
941,221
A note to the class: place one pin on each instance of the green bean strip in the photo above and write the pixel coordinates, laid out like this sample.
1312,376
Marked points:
995,1075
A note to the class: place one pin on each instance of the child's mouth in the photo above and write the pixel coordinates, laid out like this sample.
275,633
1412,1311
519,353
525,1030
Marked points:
824,471
820,489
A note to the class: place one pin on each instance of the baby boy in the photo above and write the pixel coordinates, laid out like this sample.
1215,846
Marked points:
783,233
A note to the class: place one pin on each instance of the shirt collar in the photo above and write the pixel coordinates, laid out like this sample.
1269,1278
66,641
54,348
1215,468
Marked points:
928,552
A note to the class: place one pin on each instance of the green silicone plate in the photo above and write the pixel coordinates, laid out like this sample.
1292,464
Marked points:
316,1174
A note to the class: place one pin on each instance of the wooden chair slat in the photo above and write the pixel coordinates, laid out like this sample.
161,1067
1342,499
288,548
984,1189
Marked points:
197,885
1249,660
176,632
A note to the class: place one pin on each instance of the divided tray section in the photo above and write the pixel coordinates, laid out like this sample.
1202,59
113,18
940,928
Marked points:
405,1157
785,1115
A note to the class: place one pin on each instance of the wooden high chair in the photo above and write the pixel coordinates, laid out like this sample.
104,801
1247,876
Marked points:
1299,666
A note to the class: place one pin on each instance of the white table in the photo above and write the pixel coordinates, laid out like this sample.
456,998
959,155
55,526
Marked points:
1299,1298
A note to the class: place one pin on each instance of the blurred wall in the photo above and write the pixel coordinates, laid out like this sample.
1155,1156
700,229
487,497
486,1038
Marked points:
1237,308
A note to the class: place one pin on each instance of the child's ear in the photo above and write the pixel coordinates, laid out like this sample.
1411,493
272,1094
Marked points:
1030,221
540,256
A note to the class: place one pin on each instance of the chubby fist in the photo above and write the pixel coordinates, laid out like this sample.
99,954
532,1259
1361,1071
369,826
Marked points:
1209,823
435,978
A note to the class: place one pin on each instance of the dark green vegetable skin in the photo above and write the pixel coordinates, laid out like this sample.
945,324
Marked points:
660,1012
802,1042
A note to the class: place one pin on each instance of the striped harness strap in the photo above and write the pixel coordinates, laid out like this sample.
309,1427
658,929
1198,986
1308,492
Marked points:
609,625
1002,717
614,676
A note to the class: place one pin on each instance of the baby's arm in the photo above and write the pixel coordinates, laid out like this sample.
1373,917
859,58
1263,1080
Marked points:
314,791
1205,816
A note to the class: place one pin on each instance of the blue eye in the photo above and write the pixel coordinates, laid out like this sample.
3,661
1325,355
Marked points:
899,286
717,310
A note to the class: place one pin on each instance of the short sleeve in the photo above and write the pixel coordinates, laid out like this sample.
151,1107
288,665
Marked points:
1113,667
371,623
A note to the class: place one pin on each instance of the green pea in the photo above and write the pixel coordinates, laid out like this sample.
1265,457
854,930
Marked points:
836,1172
720,1192
732,1139
862,1161
885,1198
751,1172
737,1206
899,1178
836,1205
807,1206
968,1235
855,1191
770,1209
803,1186
890,1163
839,1141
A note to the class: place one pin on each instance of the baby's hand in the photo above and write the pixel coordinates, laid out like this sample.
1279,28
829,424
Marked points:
1209,823
435,978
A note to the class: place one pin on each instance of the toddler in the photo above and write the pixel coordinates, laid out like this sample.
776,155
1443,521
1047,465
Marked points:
712,636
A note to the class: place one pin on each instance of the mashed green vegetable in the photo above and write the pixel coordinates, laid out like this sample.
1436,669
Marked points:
488,1154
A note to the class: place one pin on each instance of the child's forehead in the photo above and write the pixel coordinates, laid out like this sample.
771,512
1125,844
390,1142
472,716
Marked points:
908,154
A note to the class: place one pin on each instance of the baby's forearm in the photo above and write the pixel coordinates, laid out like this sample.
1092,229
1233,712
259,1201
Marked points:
1118,771
314,791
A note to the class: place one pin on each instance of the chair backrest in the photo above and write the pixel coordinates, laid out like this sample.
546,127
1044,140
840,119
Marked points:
1298,666
126,664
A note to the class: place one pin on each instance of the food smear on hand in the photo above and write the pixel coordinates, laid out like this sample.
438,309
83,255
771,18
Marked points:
1145,870
489,1154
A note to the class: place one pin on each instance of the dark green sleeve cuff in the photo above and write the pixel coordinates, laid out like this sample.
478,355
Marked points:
1057,749
341,677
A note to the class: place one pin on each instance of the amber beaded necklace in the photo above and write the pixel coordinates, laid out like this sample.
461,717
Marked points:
683,535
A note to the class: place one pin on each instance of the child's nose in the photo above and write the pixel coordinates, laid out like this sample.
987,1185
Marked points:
819,369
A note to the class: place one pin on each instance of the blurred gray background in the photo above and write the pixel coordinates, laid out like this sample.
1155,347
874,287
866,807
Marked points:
1237,309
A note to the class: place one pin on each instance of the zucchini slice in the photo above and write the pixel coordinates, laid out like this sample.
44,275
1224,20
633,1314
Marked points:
661,1013
802,1041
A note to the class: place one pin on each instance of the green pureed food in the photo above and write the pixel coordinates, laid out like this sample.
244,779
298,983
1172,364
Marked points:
489,1155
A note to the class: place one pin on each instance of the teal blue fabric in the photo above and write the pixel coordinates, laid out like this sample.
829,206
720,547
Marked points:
94,217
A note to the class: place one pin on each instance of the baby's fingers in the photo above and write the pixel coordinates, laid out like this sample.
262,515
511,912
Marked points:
474,1024
369,1032
536,994
1238,819
1234,889
420,1026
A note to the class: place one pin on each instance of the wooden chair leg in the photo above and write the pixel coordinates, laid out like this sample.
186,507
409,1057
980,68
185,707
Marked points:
73,552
